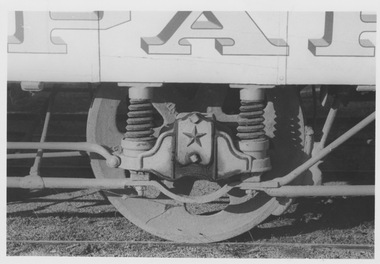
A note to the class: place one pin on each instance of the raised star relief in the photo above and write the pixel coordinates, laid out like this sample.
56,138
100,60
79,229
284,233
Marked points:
194,136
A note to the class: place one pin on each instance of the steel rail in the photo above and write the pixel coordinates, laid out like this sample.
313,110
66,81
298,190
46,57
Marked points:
259,243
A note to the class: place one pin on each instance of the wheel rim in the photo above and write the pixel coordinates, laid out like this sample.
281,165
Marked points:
164,217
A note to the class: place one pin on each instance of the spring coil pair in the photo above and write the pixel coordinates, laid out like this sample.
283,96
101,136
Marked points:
251,121
140,120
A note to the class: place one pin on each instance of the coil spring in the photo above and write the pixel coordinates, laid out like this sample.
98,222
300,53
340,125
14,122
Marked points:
251,121
140,120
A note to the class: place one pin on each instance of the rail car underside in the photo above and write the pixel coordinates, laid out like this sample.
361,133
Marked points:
214,108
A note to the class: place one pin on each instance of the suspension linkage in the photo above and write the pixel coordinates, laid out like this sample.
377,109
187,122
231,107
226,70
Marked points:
288,178
37,182
112,160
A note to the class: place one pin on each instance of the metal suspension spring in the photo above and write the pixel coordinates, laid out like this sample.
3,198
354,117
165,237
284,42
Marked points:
140,120
251,121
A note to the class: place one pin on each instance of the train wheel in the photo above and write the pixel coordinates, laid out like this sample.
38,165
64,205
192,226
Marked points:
204,223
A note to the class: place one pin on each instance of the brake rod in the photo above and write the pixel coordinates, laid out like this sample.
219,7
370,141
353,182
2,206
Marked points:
112,161
37,182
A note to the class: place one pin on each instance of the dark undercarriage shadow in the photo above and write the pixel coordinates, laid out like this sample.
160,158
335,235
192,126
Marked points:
313,214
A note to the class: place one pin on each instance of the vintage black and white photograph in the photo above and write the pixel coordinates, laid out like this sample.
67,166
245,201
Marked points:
184,133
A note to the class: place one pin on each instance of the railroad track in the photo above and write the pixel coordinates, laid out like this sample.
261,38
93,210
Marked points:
171,249
251,244
83,223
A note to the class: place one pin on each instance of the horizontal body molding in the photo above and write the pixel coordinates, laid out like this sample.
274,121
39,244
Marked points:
244,47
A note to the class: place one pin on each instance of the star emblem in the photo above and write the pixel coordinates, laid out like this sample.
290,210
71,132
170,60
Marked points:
194,136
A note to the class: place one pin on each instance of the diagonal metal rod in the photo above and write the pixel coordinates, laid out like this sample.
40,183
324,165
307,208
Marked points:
275,183
323,153
35,169
329,121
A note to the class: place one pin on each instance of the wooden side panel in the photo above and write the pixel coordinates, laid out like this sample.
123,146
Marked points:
208,47
331,48
53,46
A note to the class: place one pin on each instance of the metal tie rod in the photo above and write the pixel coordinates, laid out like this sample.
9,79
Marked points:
37,182
330,190
112,161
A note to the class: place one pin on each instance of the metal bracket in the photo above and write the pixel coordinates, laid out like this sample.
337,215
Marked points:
32,86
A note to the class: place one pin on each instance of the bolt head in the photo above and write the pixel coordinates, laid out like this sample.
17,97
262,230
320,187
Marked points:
194,158
113,162
140,190
194,119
